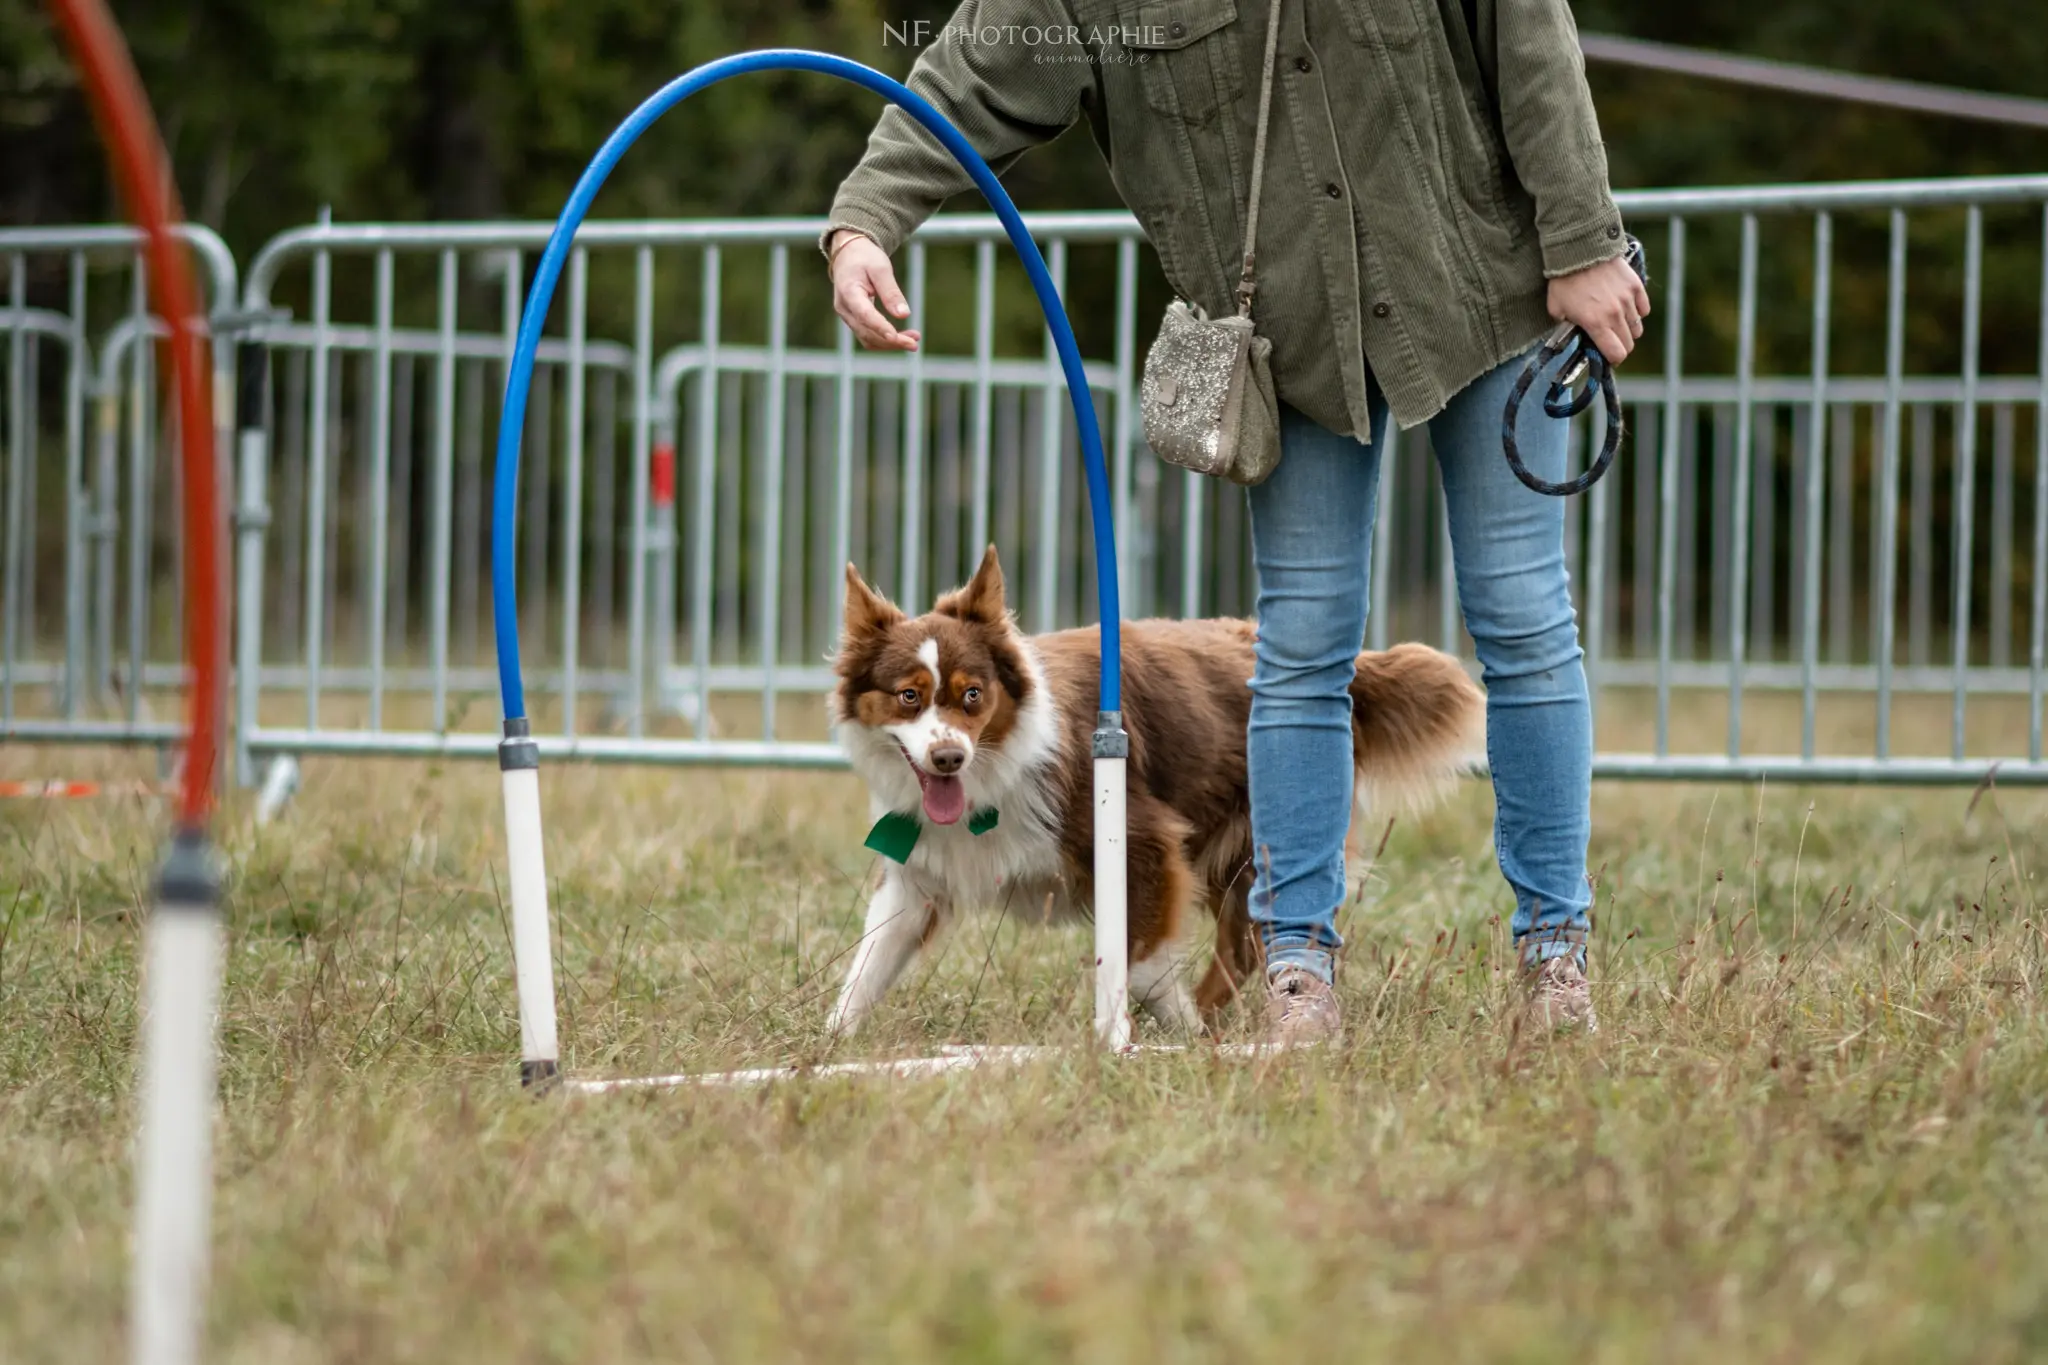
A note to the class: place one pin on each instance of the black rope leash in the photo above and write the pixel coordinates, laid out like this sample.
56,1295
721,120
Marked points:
1584,362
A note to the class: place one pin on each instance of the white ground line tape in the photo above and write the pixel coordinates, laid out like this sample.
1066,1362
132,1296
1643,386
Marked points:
953,1057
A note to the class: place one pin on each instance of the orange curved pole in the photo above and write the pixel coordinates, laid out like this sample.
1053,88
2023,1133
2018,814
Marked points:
143,172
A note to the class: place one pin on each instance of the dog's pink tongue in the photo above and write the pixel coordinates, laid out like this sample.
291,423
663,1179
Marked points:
945,798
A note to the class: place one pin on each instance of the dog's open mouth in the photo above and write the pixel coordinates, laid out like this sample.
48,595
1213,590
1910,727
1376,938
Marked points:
945,798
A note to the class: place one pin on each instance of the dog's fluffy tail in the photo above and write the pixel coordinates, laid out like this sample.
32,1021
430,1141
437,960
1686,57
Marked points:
1418,723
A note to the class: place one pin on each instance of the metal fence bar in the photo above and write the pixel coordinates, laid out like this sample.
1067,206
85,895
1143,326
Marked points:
2037,654
1966,465
1642,474
251,522
1720,527
1596,581
572,513
441,515
913,509
138,494
1689,535
604,511
469,552
1130,561
316,489
1760,635
1745,436
1888,485
1671,449
1045,597
1074,226
290,517
842,456
984,391
1193,494
1841,522
643,418
797,502
379,529
1920,538
1816,463
706,491
105,528
741,753
2002,515
19,454
772,462
75,383
361,445
398,623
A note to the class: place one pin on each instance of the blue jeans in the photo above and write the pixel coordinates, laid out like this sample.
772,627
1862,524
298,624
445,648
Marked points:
1312,528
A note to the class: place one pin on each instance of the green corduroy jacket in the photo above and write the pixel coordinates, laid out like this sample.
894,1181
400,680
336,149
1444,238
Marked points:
1430,164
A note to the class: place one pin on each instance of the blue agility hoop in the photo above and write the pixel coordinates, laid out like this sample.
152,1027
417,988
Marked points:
518,379
519,754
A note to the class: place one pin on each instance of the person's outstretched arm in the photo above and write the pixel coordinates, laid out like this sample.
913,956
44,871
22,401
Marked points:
1004,93
1553,137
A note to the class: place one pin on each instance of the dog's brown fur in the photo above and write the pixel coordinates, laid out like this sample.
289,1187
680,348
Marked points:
1416,719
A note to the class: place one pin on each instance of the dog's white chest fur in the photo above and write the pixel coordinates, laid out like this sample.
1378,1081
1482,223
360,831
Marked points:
1013,866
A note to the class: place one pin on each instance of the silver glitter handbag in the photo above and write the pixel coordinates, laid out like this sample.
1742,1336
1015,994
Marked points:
1207,396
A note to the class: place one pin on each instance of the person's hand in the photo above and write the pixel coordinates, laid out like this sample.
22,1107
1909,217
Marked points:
1606,301
861,278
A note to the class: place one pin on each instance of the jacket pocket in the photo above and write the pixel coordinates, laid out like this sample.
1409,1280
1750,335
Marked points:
1381,23
1186,56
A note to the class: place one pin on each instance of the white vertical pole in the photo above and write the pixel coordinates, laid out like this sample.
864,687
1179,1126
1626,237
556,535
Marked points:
1112,884
174,1153
532,950
252,518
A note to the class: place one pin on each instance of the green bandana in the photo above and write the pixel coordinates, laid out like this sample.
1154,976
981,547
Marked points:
895,834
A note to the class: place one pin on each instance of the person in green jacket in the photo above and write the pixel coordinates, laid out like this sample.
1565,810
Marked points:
1435,200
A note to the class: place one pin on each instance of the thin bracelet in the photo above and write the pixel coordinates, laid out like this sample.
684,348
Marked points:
851,234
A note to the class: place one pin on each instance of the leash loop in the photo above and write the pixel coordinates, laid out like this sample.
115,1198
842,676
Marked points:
1565,398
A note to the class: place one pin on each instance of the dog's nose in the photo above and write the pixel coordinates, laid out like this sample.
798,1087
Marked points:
947,759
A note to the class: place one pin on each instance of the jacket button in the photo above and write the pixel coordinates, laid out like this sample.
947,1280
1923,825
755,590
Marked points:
1176,30
1333,190
1380,310
1304,64
1612,232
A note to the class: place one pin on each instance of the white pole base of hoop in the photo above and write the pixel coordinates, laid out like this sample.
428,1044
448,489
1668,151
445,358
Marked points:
532,948
174,1151
1112,749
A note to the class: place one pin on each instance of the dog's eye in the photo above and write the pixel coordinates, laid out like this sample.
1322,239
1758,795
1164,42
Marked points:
972,697
908,696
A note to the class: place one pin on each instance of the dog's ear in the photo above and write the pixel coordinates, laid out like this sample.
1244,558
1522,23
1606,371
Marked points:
866,611
982,600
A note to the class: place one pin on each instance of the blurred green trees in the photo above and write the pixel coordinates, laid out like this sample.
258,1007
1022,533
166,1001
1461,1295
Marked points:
417,108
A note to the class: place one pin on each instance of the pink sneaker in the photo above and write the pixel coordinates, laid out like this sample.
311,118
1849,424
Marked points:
1301,1010
1560,997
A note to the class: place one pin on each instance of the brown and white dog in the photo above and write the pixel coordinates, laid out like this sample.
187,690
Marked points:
956,718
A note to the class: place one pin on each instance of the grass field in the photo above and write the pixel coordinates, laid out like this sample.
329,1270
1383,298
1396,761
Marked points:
1813,1126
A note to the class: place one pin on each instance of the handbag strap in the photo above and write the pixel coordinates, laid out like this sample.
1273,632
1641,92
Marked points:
1246,285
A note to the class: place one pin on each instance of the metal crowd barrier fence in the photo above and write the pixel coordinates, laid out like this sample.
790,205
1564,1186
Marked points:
714,396
1799,568
88,549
